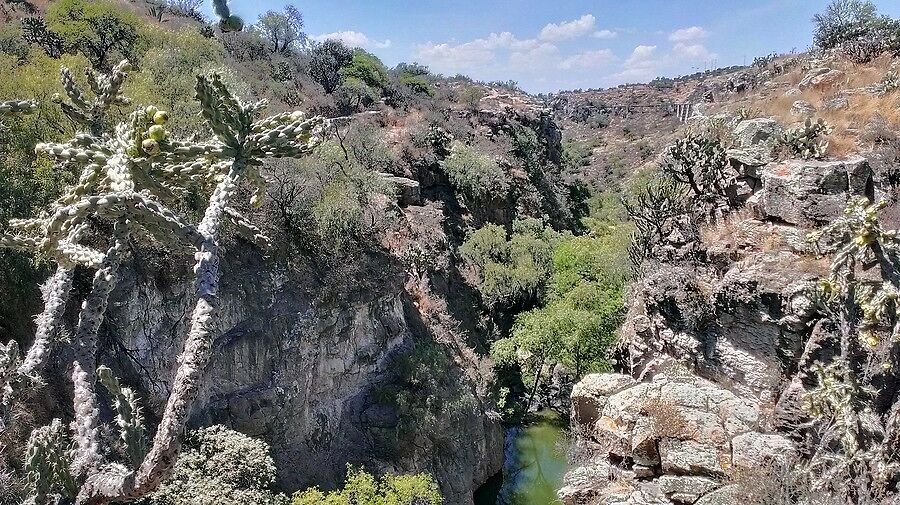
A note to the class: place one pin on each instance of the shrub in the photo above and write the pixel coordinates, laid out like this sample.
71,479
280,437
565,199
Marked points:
220,467
511,272
96,29
857,23
471,96
478,177
283,30
326,61
367,68
361,488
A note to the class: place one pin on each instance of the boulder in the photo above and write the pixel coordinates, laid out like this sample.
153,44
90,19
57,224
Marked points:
685,488
836,103
793,92
727,495
752,450
690,457
802,108
820,78
590,394
409,191
583,482
755,139
811,192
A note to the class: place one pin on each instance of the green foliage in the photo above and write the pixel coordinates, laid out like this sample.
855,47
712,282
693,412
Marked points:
361,488
328,201
807,141
478,177
167,77
283,30
220,467
367,68
851,20
96,29
326,61
417,83
471,96
511,272
698,161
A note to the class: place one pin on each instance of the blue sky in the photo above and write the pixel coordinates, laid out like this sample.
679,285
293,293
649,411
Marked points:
550,45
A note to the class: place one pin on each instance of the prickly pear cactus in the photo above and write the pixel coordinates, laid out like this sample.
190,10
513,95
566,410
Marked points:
808,141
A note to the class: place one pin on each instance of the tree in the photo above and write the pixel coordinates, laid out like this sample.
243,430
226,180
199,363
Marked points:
327,60
847,20
283,30
95,29
366,67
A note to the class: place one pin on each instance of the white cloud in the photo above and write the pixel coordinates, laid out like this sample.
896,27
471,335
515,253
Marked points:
479,53
688,34
568,30
643,64
354,39
588,59
605,34
692,52
535,59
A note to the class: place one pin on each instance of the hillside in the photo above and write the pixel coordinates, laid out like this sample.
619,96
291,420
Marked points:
239,266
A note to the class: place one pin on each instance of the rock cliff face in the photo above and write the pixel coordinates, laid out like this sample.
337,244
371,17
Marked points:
711,349
299,362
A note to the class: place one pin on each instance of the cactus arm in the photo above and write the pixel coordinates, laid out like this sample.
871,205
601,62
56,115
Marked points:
87,431
247,229
128,416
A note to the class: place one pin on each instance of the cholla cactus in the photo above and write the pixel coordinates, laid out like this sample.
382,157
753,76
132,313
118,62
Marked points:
807,141
127,178
107,92
47,465
228,22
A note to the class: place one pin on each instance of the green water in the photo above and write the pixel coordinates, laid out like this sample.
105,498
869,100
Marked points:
535,462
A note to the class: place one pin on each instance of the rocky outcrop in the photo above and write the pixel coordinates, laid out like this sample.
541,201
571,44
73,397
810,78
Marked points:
809,192
308,365
670,440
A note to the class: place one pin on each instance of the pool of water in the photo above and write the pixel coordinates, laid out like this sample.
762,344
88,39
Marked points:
535,462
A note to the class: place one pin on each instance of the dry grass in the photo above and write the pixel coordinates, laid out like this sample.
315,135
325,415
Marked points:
666,420
849,123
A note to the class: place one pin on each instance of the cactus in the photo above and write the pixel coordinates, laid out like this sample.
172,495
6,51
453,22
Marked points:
228,22
129,179
128,416
807,141
47,465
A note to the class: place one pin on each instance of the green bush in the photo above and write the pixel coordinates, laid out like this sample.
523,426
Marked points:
96,29
326,61
367,68
477,176
361,488
219,466
511,272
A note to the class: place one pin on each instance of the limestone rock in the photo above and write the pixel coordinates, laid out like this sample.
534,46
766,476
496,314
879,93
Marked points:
727,495
582,483
751,450
821,77
408,191
685,488
811,193
590,394
689,457
837,103
755,139
802,108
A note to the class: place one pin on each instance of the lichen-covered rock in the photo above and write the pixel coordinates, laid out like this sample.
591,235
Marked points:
810,193
752,450
668,439
686,489
821,77
590,394
803,108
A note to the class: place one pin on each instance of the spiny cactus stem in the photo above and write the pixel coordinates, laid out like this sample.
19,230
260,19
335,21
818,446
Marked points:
110,484
87,430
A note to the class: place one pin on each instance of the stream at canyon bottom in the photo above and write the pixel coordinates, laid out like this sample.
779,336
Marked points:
533,468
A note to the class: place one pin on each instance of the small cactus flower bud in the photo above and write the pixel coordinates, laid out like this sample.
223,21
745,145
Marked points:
56,98
157,132
151,111
161,117
150,147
